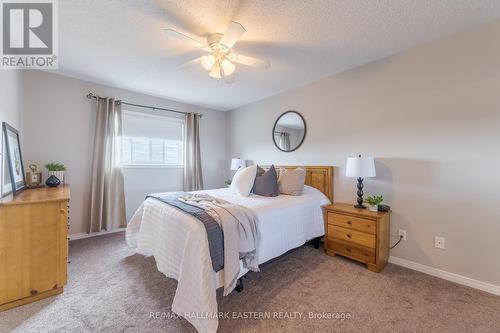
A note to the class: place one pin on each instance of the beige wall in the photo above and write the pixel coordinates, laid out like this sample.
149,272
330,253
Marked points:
10,97
10,107
59,126
431,117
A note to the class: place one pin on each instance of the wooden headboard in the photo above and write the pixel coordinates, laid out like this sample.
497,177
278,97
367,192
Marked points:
319,177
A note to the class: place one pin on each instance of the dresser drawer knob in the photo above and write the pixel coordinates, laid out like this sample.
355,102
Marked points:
348,249
349,236
33,292
349,222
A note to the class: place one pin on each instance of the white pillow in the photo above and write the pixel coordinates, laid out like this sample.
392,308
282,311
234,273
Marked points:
243,180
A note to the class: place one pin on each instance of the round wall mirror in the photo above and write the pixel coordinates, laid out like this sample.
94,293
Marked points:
289,131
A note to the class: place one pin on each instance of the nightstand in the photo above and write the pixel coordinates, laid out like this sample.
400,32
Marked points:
358,234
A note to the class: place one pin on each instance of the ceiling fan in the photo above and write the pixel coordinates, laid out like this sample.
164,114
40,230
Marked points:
220,63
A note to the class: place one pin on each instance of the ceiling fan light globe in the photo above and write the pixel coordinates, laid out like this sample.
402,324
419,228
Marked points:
208,62
215,72
228,67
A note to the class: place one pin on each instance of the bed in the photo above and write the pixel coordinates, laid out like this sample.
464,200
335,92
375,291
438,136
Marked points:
179,243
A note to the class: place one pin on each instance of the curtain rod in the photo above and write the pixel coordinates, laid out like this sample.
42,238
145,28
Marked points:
154,108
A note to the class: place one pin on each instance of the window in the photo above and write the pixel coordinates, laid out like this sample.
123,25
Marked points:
149,151
150,140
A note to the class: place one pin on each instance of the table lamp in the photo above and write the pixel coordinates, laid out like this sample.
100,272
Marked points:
360,167
237,163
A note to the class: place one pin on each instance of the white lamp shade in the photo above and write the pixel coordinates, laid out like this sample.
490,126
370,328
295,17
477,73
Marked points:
237,163
363,167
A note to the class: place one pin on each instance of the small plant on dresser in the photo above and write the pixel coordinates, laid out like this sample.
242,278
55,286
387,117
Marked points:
56,169
374,201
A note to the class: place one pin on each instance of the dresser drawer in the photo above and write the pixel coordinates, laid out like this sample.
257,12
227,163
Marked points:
364,255
351,236
350,222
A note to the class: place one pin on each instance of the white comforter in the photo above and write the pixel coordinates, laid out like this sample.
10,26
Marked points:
179,244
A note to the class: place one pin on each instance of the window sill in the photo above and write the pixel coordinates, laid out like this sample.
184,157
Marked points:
152,166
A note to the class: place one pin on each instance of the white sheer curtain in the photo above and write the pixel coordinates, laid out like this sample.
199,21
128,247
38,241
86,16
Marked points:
107,201
193,178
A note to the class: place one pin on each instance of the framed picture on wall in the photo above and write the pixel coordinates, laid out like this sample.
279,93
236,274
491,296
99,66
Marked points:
14,159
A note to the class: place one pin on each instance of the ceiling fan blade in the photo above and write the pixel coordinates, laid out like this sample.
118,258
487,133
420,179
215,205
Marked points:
185,38
249,61
190,63
232,34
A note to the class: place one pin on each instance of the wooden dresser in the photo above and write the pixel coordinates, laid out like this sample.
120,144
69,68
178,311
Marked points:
33,245
357,234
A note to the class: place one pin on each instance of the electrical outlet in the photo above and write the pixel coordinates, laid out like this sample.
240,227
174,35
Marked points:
402,232
439,242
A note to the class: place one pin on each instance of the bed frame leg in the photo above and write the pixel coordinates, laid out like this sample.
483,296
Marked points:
316,242
239,285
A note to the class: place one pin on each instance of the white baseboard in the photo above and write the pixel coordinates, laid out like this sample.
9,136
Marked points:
93,234
460,279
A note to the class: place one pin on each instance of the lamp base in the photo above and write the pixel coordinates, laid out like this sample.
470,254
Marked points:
360,194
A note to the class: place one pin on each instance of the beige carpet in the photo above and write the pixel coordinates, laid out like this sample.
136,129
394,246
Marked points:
113,290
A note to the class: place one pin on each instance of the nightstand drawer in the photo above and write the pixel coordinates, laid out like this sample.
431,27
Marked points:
351,236
351,222
364,255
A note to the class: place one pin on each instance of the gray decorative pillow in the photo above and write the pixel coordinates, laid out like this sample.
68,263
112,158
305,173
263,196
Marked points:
266,182
260,171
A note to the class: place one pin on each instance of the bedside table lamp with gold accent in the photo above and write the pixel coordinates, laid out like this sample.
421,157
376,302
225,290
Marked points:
360,167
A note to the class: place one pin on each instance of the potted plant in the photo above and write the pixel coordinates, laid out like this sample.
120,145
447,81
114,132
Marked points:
373,201
56,169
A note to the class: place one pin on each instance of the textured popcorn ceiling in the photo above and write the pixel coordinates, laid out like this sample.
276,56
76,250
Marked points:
120,42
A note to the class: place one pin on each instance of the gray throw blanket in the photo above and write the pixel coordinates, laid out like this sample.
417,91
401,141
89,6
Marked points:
240,236
215,234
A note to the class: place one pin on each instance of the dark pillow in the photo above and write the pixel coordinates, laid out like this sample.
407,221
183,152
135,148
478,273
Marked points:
266,182
260,171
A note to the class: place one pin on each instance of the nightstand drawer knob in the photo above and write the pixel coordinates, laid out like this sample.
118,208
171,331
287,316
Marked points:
349,222
349,235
